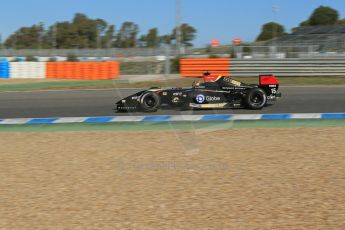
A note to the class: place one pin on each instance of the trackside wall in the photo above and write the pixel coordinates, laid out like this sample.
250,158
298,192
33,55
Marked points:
27,70
195,67
60,70
4,70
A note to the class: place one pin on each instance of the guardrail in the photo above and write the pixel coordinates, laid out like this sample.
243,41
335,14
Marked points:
288,67
254,67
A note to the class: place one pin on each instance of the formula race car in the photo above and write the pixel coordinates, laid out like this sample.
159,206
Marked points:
213,93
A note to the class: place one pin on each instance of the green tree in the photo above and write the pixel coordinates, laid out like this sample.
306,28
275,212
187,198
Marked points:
109,36
81,32
341,21
101,27
165,39
27,38
305,23
188,34
88,31
324,15
270,30
66,36
127,36
152,38
84,32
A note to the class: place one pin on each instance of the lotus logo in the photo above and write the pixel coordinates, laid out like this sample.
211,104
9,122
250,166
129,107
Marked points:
200,98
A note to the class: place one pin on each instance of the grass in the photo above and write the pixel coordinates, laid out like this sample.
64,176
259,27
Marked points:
63,84
25,84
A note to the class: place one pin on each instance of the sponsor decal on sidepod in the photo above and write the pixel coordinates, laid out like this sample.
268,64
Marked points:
201,98
212,98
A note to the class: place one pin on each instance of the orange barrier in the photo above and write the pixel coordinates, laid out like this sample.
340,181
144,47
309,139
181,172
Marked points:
196,67
83,70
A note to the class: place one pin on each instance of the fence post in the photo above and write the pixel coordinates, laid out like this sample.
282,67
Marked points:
167,60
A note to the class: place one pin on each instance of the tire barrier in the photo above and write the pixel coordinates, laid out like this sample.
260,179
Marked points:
4,70
83,70
28,70
55,58
60,70
195,67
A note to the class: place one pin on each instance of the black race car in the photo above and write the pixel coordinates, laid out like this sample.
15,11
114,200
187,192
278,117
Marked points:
213,93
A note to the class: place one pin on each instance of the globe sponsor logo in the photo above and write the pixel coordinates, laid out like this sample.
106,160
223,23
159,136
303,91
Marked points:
212,98
200,98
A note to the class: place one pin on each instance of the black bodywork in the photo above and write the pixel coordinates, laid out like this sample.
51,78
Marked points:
223,92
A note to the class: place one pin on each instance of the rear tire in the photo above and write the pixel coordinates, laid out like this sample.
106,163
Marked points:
149,102
256,98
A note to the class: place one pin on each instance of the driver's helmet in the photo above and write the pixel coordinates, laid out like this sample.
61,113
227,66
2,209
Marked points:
206,74
196,84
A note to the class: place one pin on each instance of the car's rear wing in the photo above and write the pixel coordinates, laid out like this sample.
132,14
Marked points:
268,79
270,84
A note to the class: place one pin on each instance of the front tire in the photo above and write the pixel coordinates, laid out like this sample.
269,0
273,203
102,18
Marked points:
149,102
256,99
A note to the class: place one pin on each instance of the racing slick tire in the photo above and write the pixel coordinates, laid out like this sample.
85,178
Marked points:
256,98
149,102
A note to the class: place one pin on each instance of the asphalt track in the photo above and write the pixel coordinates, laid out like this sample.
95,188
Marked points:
83,103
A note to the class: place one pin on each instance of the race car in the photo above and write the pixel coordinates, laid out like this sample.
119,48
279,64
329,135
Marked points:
214,93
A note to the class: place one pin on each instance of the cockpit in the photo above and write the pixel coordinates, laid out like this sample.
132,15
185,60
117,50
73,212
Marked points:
218,82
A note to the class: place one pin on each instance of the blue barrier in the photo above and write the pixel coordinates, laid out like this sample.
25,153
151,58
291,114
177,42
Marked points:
4,70
170,118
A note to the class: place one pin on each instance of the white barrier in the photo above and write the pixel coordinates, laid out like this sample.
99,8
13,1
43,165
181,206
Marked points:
27,70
